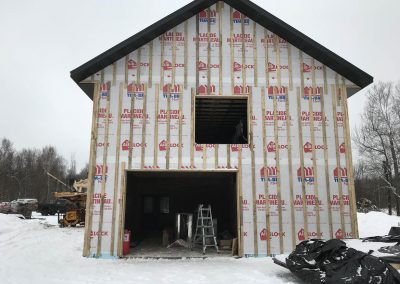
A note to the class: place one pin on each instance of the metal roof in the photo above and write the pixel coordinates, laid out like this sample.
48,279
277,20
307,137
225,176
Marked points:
248,8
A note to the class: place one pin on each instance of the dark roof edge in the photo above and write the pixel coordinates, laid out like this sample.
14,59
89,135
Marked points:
253,11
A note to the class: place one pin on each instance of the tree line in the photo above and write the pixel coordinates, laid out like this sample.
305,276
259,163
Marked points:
377,140
23,174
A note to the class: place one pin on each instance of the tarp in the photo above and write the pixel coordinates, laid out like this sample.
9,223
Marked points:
318,261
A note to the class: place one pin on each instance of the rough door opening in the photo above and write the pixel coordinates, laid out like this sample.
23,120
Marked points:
154,198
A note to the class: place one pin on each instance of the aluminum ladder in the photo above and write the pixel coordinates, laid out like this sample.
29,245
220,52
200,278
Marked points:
205,229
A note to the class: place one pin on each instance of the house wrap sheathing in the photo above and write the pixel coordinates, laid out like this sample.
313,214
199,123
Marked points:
295,178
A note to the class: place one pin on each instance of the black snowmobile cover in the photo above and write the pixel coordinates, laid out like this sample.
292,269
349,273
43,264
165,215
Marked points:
319,261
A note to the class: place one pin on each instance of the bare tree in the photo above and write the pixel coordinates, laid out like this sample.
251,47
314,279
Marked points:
378,139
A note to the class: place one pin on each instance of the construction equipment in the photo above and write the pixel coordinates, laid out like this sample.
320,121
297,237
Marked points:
75,212
205,229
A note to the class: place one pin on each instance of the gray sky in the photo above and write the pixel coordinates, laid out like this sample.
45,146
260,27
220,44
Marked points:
42,41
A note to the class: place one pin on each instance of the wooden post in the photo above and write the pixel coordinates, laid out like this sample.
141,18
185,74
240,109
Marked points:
155,153
144,124
117,152
335,126
167,152
290,166
131,127
220,56
326,164
349,164
255,61
185,56
92,170
253,176
192,117
266,190
150,79
122,210
278,172
303,186
103,176
180,131
314,158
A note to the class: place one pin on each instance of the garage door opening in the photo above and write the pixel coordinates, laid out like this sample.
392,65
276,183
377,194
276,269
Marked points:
158,208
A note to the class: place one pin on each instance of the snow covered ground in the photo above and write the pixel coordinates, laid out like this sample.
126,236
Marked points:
37,251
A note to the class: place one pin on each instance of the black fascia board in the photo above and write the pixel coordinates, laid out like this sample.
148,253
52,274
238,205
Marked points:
248,8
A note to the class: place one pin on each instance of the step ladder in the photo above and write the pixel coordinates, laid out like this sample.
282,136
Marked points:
205,229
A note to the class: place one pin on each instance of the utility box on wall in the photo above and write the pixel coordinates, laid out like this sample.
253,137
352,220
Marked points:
225,86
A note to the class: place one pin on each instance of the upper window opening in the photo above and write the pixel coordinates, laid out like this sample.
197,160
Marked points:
221,120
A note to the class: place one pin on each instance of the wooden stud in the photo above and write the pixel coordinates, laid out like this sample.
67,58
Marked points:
173,56
180,131
314,158
255,57
204,146
290,67
290,166
349,163
228,156
303,186
167,152
266,55
326,164
114,73
338,163
185,55
220,55
240,185
126,69
102,76
122,210
253,176
117,152
131,129
192,122
208,53
138,69
278,59
278,175
92,169
144,124
278,171
157,99
243,55
197,52
239,211
325,80
150,79
103,177
162,62
232,50
266,189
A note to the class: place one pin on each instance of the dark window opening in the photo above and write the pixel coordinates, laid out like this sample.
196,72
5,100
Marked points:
221,121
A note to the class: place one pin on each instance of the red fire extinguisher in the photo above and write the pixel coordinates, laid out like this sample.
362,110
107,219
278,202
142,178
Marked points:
127,242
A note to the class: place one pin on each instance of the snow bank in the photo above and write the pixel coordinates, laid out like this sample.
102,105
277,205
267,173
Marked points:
33,251
375,223
37,251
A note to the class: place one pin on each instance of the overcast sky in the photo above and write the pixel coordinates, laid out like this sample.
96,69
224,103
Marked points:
42,41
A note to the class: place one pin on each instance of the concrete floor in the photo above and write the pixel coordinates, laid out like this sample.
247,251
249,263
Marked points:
152,248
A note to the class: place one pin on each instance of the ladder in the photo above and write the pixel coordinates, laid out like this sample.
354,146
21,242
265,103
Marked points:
205,229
